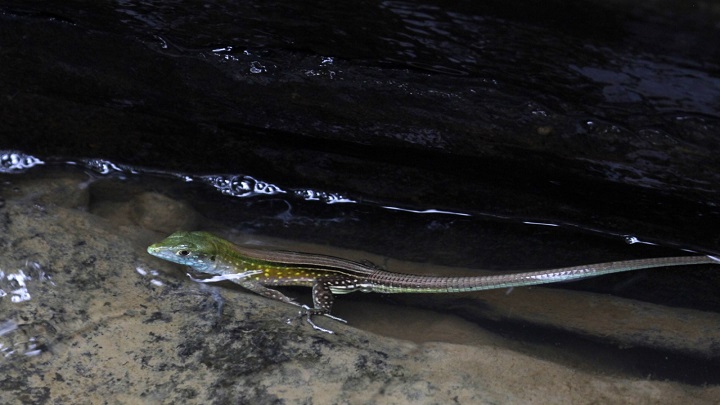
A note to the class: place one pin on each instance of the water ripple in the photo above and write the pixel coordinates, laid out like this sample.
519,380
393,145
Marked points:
14,162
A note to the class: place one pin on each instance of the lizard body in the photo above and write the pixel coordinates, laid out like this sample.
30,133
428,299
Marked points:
259,270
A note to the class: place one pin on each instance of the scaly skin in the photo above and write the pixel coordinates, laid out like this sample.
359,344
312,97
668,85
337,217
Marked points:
258,270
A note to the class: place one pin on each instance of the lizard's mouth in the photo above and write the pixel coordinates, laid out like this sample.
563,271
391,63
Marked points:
162,252
155,250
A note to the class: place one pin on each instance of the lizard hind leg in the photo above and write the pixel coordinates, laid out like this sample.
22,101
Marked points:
322,304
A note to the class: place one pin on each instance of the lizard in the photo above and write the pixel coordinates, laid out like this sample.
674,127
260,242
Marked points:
260,270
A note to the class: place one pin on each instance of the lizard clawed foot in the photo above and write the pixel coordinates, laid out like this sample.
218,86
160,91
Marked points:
308,313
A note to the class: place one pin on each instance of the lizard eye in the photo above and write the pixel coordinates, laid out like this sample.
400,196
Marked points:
183,252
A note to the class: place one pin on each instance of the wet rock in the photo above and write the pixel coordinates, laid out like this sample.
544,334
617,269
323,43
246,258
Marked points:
159,213
69,190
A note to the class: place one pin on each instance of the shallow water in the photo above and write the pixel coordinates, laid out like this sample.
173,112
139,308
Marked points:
420,135
551,323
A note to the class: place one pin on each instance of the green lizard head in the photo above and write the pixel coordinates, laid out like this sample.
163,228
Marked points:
195,249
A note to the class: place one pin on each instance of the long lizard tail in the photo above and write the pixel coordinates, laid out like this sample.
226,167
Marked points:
405,283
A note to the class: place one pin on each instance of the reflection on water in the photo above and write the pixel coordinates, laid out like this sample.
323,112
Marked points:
20,293
15,283
11,161
17,288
